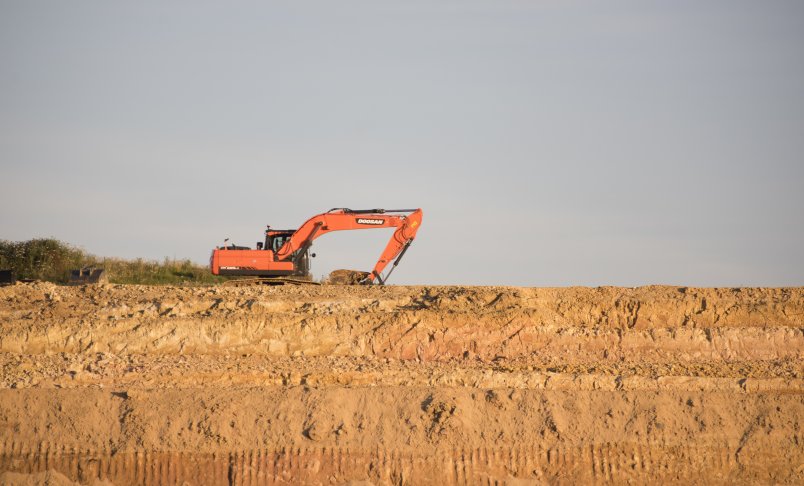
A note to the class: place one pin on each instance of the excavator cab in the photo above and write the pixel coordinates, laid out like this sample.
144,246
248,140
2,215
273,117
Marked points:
276,239
276,242
234,260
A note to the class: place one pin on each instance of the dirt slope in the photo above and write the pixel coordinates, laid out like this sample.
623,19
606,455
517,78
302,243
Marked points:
400,385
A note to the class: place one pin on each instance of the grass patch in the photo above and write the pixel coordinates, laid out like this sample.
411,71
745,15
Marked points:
166,272
51,260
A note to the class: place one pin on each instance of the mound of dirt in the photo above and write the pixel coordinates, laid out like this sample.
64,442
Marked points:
401,385
347,277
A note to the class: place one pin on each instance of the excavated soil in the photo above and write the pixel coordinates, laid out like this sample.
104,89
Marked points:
355,385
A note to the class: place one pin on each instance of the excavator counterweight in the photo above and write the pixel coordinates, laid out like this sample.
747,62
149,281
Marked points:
285,253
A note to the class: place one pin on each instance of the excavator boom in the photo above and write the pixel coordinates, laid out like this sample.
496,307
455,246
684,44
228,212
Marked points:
286,252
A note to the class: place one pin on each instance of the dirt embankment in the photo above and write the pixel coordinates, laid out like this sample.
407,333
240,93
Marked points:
398,385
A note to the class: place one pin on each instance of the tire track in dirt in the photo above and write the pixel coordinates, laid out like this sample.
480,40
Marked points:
413,435
521,465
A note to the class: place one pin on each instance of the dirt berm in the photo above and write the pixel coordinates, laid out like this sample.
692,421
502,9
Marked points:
333,384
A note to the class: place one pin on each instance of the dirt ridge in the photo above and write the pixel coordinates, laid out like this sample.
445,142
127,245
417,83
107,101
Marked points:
333,384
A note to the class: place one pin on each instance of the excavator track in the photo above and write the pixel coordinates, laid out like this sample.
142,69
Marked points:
243,282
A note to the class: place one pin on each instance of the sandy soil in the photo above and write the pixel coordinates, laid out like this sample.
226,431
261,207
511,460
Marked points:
400,385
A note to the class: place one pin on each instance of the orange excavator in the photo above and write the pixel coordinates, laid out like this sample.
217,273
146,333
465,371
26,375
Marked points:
285,253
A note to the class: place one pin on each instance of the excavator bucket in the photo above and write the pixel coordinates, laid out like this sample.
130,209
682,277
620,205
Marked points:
347,277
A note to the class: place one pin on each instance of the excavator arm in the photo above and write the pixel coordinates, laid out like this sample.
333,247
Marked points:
340,219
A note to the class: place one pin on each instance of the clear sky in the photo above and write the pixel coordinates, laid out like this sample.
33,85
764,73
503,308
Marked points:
550,143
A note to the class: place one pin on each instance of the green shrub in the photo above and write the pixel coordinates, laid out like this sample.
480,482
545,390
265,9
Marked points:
51,260
41,259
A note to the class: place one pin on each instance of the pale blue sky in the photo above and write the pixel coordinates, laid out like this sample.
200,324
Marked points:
549,143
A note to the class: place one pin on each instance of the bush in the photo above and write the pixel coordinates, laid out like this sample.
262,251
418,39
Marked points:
41,259
51,260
